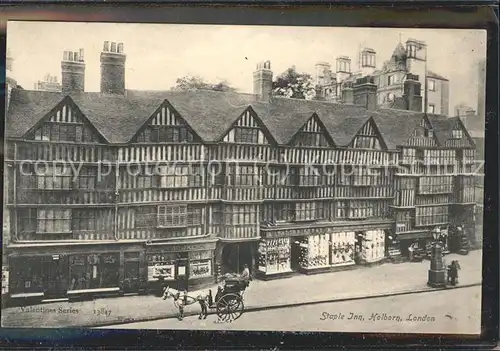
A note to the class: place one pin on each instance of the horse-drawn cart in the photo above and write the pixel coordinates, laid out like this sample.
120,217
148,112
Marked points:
229,300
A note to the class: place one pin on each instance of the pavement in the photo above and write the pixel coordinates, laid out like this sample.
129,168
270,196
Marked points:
363,282
443,312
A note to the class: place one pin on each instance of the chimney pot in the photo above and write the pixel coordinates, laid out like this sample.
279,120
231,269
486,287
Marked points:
120,48
80,55
73,73
106,46
113,70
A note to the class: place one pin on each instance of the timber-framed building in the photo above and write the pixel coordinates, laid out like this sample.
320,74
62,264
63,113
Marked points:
112,192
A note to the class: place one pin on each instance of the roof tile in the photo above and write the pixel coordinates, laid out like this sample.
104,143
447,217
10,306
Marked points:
211,113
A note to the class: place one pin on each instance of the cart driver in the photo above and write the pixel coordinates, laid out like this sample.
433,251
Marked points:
245,275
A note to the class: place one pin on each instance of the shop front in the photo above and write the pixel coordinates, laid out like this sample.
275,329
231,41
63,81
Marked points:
315,250
370,245
63,272
413,241
181,266
274,258
319,252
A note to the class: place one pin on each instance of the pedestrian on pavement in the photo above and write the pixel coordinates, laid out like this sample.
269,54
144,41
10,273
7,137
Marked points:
410,251
453,272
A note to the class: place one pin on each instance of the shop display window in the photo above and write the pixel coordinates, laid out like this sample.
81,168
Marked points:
200,264
373,245
342,248
319,246
274,255
94,271
26,275
161,266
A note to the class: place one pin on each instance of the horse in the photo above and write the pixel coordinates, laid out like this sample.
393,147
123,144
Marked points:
182,299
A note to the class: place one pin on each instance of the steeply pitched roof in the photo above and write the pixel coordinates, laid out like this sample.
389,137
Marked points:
399,52
431,74
26,108
474,123
211,113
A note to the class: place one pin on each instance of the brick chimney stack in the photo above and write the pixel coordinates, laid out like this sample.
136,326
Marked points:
113,69
73,72
365,93
412,95
263,81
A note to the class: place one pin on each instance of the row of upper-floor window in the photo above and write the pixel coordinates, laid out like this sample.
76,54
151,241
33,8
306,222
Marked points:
53,177
64,220
440,157
75,132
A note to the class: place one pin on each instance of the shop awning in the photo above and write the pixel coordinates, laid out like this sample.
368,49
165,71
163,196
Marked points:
239,240
414,235
186,246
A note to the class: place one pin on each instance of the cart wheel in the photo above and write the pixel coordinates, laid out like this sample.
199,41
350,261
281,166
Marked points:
230,307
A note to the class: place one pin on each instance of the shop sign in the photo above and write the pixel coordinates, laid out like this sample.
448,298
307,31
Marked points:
167,272
187,247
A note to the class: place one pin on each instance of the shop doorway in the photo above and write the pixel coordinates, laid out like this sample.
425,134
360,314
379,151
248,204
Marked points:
131,277
55,276
236,256
295,253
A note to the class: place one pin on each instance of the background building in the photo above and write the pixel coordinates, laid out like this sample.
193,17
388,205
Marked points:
49,83
410,58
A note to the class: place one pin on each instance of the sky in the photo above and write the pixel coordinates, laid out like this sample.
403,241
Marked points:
158,54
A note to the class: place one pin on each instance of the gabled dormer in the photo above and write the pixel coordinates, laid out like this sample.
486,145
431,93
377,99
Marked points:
312,134
65,123
247,129
368,137
458,136
423,135
165,126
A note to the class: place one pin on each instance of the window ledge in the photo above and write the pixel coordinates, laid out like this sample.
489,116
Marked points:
172,226
49,233
27,295
97,290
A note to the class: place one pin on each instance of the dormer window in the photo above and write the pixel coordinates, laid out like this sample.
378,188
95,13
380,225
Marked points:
457,134
428,133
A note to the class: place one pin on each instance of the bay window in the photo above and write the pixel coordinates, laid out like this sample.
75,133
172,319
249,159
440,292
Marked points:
431,215
244,176
435,185
341,209
174,176
360,209
309,176
241,214
305,211
53,221
54,177
171,216
246,135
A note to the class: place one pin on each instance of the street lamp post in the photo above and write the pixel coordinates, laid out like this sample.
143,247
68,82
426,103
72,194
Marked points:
437,272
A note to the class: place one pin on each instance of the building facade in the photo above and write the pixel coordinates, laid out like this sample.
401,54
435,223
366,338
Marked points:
49,83
408,59
123,190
